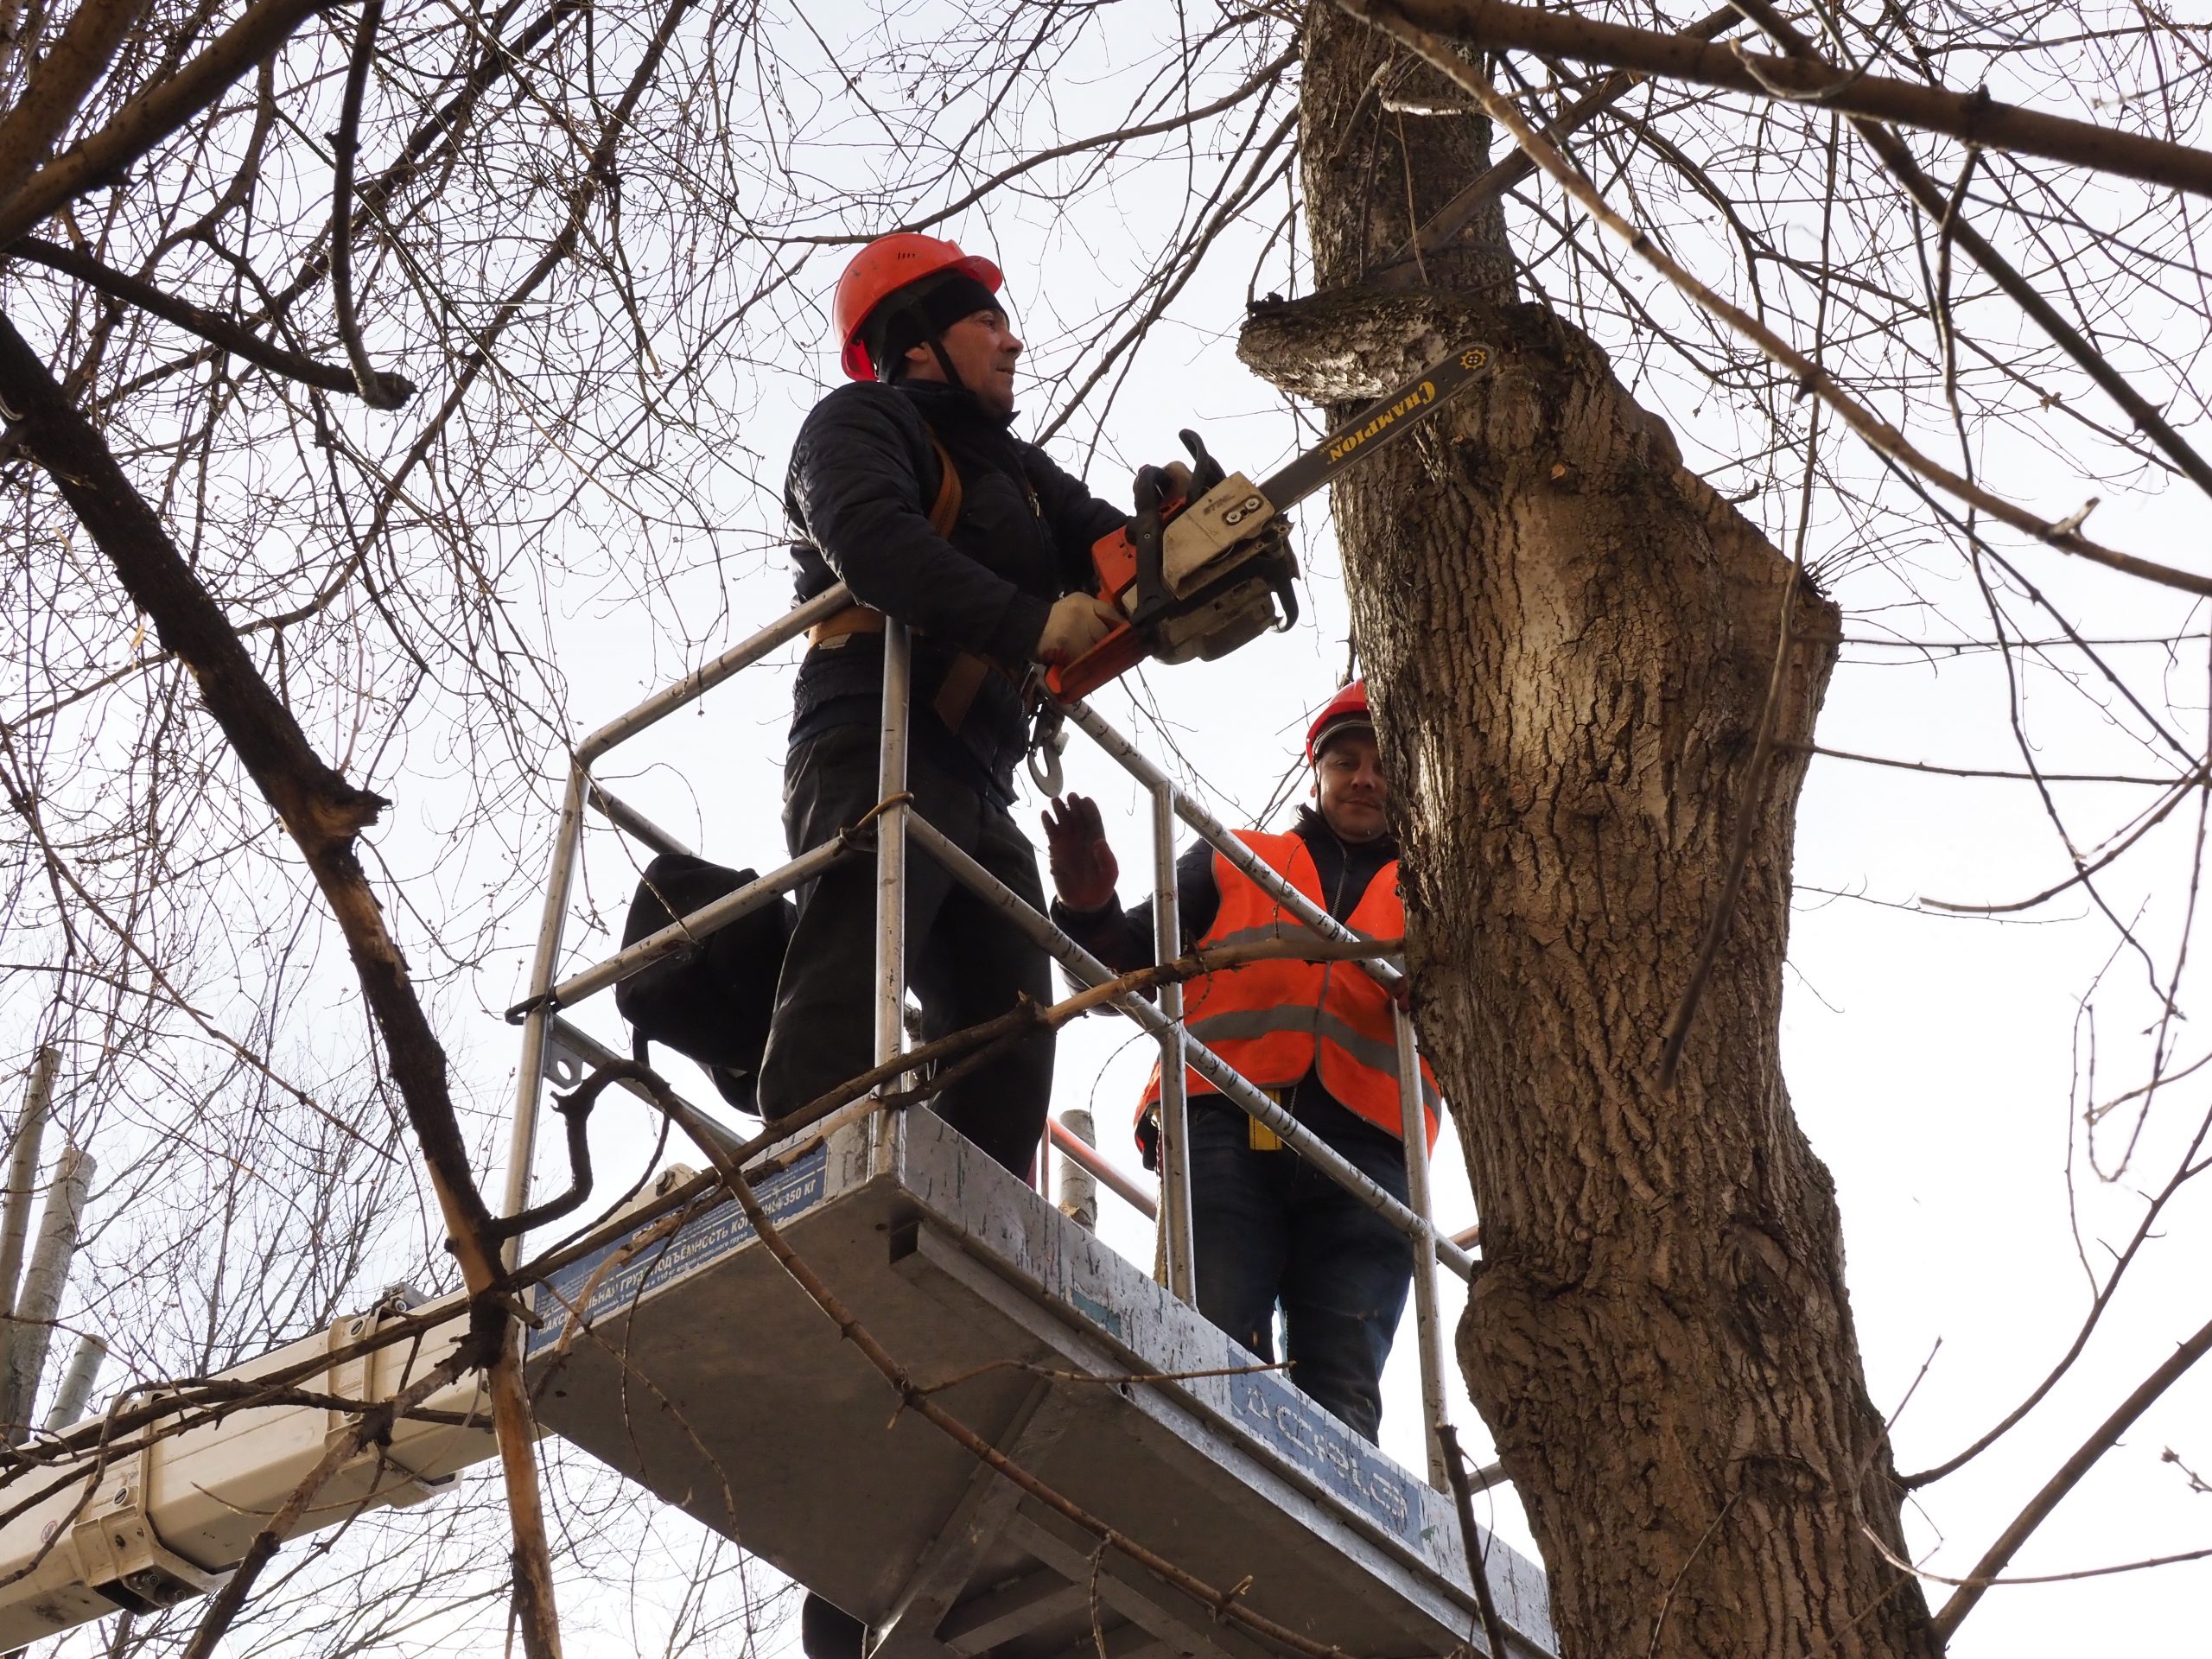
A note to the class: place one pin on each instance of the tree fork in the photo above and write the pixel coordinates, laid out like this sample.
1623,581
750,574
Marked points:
1569,641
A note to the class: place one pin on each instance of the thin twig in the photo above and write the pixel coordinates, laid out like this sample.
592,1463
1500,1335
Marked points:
2069,1474
1462,1495
1891,1556
1935,770
1667,1602
347,144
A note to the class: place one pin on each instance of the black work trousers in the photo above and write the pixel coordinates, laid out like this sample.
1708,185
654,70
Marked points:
1269,1228
965,960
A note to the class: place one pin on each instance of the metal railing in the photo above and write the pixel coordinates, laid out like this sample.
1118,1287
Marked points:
551,1045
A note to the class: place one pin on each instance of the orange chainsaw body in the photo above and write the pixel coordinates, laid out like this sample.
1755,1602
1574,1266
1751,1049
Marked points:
1115,559
1229,550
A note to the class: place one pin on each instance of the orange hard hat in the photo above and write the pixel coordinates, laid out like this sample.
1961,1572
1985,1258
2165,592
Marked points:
880,270
1347,708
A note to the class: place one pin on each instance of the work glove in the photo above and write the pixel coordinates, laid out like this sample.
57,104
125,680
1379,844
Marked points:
1076,624
1085,868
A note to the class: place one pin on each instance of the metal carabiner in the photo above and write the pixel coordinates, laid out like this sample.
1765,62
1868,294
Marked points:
1048,741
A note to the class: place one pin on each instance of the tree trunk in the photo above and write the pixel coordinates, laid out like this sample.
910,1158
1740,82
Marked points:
1569,641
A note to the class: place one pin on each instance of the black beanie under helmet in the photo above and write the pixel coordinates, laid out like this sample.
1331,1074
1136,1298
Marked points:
918,313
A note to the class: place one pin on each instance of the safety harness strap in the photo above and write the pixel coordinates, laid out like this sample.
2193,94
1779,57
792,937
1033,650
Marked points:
957,695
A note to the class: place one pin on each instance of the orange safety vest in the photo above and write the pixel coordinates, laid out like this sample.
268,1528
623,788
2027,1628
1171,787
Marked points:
1274,1021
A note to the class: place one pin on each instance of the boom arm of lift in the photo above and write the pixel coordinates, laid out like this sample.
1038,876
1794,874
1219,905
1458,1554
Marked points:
166,1511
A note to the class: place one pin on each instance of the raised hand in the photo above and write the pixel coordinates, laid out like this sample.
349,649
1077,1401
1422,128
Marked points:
1083,867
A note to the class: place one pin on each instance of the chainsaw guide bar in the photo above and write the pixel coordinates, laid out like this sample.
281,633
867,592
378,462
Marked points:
1199,578
1389,417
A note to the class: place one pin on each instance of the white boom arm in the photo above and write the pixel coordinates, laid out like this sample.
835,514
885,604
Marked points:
172,1517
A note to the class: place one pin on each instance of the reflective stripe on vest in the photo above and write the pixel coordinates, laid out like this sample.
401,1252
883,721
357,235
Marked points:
1276,1021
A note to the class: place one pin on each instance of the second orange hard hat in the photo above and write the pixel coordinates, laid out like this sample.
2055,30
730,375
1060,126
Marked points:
1347,708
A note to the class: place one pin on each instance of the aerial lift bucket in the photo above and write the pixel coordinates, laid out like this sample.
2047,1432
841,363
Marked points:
689,1359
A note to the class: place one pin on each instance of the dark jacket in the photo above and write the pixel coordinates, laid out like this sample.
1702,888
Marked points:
1123,940
863,476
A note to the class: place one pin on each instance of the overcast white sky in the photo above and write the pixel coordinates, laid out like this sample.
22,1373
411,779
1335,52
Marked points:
1938,1064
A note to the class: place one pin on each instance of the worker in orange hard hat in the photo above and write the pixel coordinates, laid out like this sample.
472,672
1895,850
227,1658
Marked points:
1268,1229
907,485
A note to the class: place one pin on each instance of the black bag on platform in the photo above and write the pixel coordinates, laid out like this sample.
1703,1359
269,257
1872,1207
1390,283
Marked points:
710,1000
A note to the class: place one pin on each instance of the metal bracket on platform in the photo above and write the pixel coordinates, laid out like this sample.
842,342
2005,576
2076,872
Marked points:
981,1622
914,1625
562,1063
1146,1602
388,1480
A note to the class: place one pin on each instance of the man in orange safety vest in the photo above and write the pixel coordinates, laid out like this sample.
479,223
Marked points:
1267,1230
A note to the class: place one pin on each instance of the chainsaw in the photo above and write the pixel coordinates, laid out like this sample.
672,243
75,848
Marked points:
1205,567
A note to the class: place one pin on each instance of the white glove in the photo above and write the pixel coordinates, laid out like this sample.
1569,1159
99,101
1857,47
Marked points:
1076,623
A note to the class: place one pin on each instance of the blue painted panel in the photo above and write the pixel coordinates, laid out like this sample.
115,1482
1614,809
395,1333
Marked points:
1274,1413
705,1239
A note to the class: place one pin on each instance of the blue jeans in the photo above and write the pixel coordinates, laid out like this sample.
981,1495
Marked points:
1269,1228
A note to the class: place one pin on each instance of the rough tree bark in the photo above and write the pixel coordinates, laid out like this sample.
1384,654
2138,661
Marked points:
1569,639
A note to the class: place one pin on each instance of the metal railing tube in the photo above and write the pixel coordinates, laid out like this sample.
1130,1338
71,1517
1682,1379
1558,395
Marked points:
1208,1064
1427,1325
1178,1256
1217,835
891,825
708,918
522,1134
696,684
1079,1151
626,818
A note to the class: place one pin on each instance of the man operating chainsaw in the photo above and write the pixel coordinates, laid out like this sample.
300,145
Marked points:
1268,1228
908,485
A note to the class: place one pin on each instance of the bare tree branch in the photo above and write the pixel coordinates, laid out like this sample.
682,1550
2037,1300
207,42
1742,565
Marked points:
2068,1475
324,814
1943,211
1974,118
58,85
373,1426
102,156
393,389
346,146
1884,438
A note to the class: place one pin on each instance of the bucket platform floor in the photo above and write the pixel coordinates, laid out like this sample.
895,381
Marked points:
685,1357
